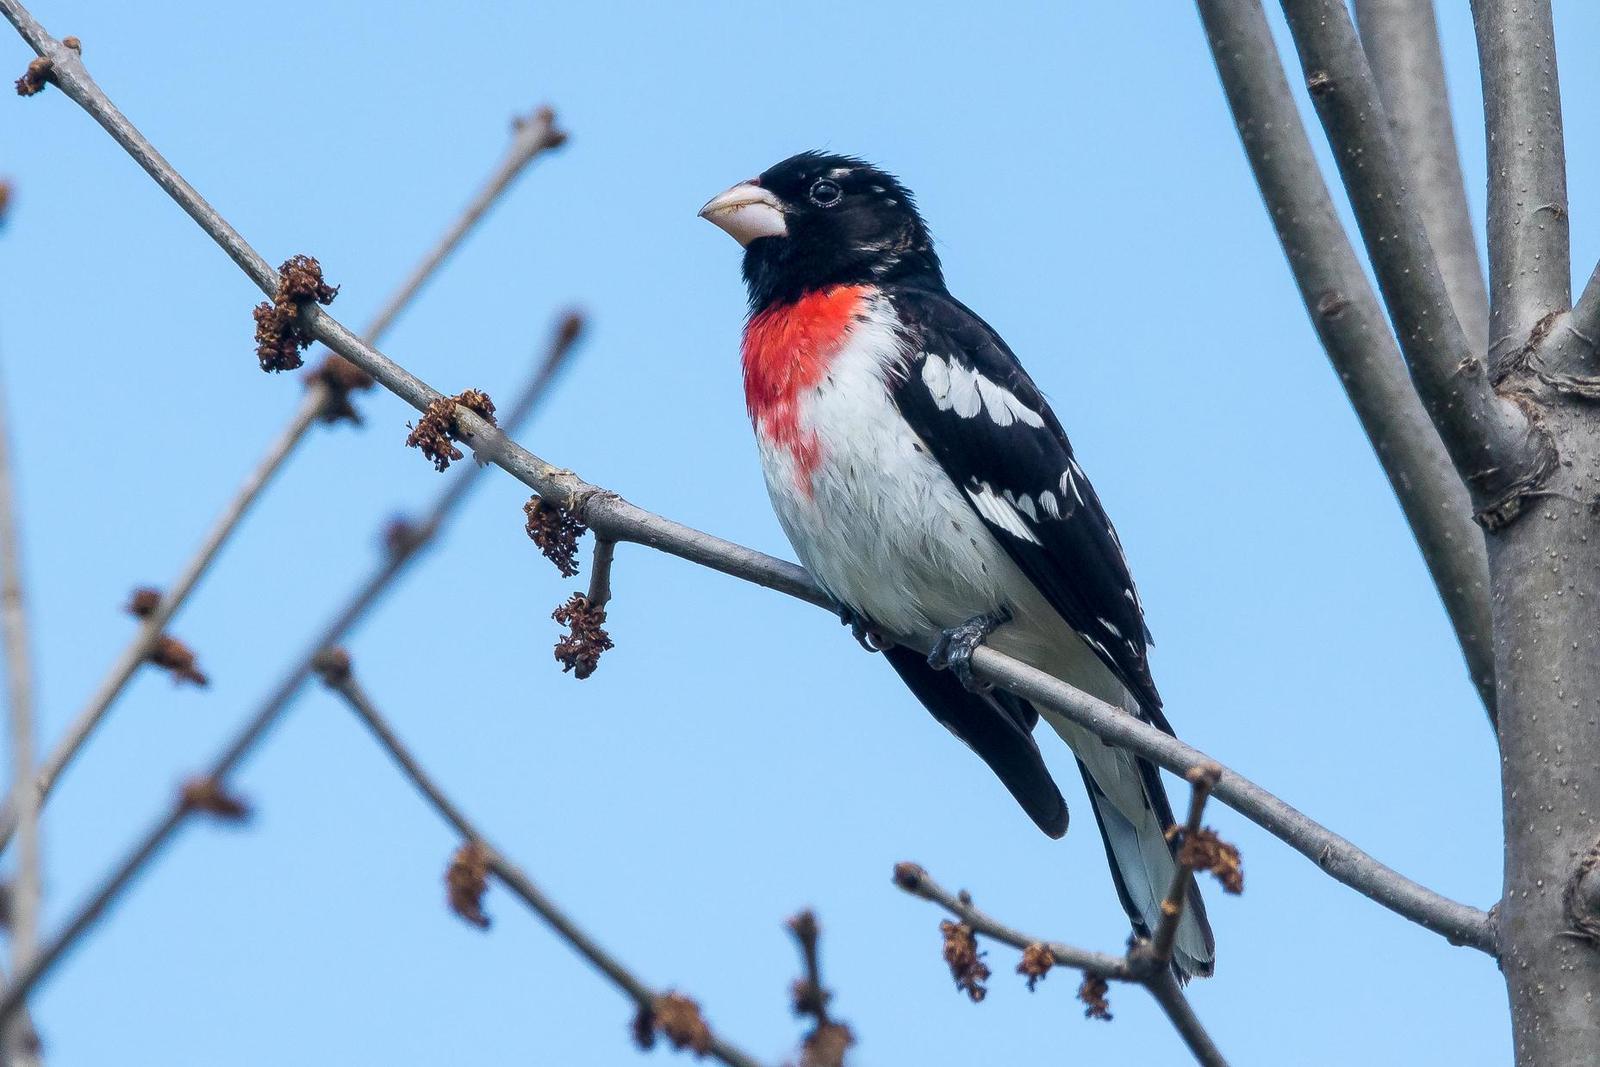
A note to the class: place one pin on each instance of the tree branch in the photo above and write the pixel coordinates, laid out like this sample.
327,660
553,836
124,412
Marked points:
1134,968
1351,325
533,136
1489,439
18,1040
401,551
613,518
1401,39
509,874
1585,318
1529,240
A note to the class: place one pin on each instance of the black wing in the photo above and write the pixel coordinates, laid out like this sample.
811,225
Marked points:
995,725
984,420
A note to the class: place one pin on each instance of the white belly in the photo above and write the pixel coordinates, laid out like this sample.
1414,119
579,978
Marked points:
885,531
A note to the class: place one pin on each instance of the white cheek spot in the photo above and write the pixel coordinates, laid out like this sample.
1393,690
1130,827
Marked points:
1047,503
996,510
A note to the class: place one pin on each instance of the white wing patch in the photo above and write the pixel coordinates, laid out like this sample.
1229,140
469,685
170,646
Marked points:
998,510
966,392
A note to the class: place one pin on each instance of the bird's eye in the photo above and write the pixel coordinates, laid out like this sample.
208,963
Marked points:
825,193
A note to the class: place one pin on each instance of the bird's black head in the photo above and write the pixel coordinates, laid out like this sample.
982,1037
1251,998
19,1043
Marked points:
818,220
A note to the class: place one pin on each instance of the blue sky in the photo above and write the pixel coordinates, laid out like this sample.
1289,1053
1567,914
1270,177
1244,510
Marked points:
736,757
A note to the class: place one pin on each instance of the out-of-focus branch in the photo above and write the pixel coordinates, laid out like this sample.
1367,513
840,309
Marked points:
1530,268
1401,38
613,518
1351,325
533,135
404,546
1139,966
1501,456
509,874
18,1039
1201,780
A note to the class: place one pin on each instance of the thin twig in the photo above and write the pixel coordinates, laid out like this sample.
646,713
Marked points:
605,551
401,551
1202,780
612,517
533,136
19,1040
509,874
1401,38
1496,451
1530,267
1134,968
1351,326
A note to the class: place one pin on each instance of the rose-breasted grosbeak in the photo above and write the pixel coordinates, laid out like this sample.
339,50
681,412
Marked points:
930,490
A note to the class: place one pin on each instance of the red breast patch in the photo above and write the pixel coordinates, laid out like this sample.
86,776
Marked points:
787,350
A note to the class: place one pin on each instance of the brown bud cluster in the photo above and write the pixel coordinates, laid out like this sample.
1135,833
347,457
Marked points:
437,431
678,1019
1036,963
466,880
341,378
143,602
1093,994
210,796
279,336
178,659
1203,850
332,665
40,73
579,649
966,962
556,531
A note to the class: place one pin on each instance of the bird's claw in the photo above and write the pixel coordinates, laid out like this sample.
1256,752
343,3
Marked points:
861,629
953,650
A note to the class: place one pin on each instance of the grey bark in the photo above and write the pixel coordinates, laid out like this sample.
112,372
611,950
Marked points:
1351,326
1543,569
1401,38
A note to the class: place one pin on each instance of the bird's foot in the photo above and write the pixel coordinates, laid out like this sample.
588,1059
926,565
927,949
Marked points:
861,629
953,650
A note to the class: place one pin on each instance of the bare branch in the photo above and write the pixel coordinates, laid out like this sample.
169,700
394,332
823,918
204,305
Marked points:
1585,318
532,136
1351,325
19,1042
1489,438
325,395
402,550
1401,38
508,873
1141,969
613,518
1530,267
1203,780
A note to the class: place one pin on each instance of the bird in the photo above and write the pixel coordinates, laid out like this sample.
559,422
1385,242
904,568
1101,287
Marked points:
932,494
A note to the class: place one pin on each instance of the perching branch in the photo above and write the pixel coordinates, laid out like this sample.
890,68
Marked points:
403,548
1137,967
1529,237
324,397
1500,456
613,518
1351,325
18,1040
1401,38
509,874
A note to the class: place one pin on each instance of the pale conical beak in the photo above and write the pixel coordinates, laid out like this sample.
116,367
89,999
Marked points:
746,212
